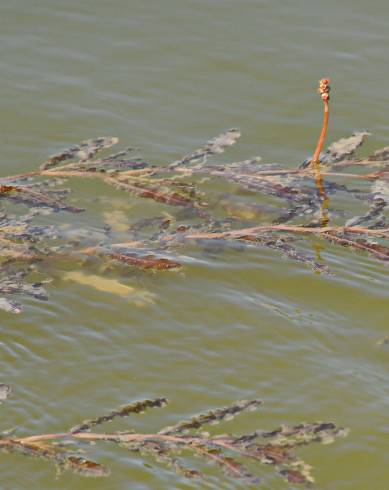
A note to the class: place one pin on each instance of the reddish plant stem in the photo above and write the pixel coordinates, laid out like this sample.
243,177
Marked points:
120,438
75,173
324,91
323,134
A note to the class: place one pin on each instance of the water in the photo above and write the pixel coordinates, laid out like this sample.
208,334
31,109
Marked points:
166,76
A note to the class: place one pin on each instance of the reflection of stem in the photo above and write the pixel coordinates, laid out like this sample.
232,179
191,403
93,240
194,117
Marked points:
318,248
324,199
324,91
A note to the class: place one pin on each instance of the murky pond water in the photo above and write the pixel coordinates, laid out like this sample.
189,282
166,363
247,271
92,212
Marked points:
165,76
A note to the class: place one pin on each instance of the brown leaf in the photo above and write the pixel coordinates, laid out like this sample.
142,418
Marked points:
294,476
138,407
8,188
213,416
146,262
86,467
151,190
276,454
29,197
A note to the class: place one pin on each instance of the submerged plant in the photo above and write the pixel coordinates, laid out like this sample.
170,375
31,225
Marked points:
174,445
301,197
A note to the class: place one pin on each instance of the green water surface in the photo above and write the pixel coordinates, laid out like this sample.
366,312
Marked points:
165,75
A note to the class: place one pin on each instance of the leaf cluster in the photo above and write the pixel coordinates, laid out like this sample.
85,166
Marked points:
305,204
171,446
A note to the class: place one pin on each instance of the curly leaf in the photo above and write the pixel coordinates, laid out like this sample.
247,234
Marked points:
135,407
213,417
212,147
84,151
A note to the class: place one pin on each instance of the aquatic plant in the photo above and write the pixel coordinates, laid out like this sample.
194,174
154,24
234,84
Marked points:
324,91
302,207
173,446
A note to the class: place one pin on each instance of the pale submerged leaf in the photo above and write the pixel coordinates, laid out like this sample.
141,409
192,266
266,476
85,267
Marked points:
117,220
138,297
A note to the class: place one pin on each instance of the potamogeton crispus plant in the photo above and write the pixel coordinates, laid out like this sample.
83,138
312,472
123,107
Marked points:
292,210
175,446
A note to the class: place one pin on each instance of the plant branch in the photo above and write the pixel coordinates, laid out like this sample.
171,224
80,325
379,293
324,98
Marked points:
255,230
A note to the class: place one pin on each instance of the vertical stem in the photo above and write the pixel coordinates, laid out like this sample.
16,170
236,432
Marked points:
324,91
320,143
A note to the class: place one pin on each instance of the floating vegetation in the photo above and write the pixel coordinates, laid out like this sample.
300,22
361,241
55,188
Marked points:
304,205
173,446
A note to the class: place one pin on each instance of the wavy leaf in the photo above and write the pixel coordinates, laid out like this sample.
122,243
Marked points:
83,152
